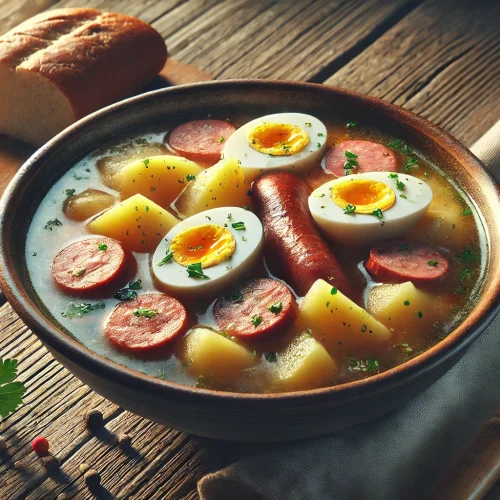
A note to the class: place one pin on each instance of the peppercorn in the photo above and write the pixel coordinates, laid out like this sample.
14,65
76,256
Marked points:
40,446
51,464
94,419
124,440
92,478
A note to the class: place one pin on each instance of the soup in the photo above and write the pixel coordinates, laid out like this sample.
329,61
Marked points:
256,253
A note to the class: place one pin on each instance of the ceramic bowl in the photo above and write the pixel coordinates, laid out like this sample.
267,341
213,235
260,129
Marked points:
232,416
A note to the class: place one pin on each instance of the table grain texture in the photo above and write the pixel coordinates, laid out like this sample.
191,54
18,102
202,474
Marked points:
440,59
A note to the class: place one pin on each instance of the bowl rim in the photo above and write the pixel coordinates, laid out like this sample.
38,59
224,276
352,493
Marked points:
457,340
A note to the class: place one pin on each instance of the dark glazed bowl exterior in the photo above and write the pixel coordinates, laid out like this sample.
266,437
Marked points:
222,415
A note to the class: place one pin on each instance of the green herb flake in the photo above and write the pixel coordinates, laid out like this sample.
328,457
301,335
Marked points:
350,155
378,213
433,263
78,310
308,124
351,124
349,209
370,365
255,353
333,291
420,314
220,139
70,192
464,274
239,226
102,246
411,164
144,312
256,321
146,162
125,294
406,302
276,308
11,393
467,211
147,208
363,328
195,271
51,224
135,285
400,185
271,356
467,256
321,134
166,259
327,305
403,196
190,177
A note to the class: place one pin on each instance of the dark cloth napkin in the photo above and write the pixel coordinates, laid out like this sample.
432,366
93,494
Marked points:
397,456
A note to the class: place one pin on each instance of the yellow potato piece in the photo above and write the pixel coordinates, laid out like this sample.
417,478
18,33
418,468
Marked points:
338,323
160,178
387,303
210,354
138,223
86,204
122,155
305,364
222,185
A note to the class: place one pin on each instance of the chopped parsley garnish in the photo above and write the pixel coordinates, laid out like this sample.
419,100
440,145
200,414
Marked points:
146,162
70,192
78,310
195,271
285,146
135,285
256,321
220,139
321,135
78,178
410,165
459,290
406,302
393,176
403,196
144,312
350,155
239,226
124,294
318,145
308,124
370,365
400,185
351,161
51,224
351,124
467,256
271,356
400,145
147,208
464,274
378,213
11,393
420,314
433,263
102,246
190,177
467,211
349,209
276,308
333,291
166,259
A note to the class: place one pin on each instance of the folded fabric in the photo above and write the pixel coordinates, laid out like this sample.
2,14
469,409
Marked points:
396,456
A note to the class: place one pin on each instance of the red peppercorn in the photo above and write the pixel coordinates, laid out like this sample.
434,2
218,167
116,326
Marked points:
40,446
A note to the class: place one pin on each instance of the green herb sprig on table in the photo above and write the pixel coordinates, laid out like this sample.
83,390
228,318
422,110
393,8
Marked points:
11,393
78,310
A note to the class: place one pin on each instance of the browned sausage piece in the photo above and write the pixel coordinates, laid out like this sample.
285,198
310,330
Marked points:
146,323
256,309
200,140
371,157
89,265
293,247
397,261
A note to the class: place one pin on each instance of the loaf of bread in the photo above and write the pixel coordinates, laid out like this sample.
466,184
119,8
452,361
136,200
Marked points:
63,64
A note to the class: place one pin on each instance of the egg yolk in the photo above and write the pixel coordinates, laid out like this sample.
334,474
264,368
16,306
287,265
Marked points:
364,194
209,244
278,139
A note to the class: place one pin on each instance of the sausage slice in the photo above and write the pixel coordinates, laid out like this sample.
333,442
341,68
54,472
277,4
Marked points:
201,140
397,261
146,323
256,309
371,157
89,265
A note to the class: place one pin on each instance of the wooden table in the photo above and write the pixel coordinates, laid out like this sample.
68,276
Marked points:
440,59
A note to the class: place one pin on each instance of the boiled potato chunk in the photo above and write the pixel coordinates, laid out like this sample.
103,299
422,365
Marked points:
222,185
209,354
404,307
117,157
86,204
305,364
337,322
138,223
160,178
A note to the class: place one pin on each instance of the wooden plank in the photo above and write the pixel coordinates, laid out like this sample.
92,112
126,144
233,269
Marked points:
55,406
441,61
269,39
14,12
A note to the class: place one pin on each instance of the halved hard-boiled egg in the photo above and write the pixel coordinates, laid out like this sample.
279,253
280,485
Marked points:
282,141
208,251
367,207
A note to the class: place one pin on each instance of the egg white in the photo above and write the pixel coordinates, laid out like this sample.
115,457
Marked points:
351,229
174,278
237,145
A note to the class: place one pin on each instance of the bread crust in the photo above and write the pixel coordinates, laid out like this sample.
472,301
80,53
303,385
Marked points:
95,58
